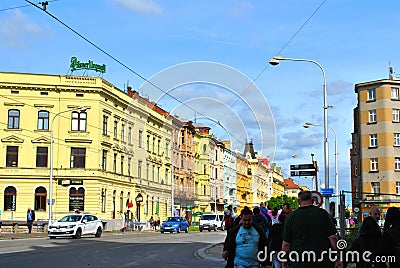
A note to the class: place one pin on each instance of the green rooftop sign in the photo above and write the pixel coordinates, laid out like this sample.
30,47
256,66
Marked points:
77,65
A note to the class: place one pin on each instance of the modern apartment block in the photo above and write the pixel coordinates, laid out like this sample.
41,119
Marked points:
375,153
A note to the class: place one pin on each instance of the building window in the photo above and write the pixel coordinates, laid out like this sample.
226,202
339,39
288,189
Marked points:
121,202
372,116
139,169
154,145
204,148
40,199
216,155
373,140
204,190
182,159
146,207
397,163
140,139
153,172
105,125
130,135
77,199
166,176
396,139
205,169
122,164
79,121
158,147
104,160
78,157
373,164
12,156
129,165
376,187
181,185
167,149
395,115
41,156
103,200
371,94
10,198
397,187
158,174
395,93
43,120
148,143
13,119
123,133
147,171
115,129
115,163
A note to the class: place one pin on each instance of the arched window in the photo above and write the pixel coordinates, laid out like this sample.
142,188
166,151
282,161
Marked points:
43,120
79,121
40,198
77,199
10,198
13,119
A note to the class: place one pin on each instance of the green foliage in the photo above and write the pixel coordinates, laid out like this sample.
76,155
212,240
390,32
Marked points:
347,213
277,202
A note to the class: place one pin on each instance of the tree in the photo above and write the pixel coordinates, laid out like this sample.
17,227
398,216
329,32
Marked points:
277,202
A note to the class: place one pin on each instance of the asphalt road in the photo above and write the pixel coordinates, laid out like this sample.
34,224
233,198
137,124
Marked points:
111,250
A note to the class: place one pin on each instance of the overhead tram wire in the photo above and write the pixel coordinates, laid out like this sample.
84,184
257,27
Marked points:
282,49
11,8
118,61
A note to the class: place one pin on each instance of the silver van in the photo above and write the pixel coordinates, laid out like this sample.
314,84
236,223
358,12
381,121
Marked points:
211,222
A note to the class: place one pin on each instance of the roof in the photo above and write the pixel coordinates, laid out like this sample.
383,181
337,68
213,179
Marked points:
290,184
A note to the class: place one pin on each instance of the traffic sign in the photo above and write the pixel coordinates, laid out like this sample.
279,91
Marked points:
317,198
302,166
327,191
303,173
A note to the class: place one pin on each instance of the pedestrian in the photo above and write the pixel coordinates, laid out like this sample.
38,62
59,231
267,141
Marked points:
309,229
369,239
375,214
151,221
264,212
258,219
286,209
274,216
30,218
275,240
390,243
228,217
244,242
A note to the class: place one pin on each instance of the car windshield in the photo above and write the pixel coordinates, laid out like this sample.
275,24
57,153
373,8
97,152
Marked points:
208,217
71,218
172,219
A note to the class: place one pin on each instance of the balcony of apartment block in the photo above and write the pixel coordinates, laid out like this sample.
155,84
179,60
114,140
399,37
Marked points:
381,198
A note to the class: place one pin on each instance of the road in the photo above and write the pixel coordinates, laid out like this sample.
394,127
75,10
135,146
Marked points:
111,250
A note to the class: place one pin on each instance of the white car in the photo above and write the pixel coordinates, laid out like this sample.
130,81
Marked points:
76,225
211,222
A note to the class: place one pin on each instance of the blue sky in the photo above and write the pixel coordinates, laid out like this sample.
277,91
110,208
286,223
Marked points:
353,40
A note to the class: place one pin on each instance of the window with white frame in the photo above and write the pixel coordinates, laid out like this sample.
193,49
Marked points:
43,120
395,115
140,139
373,164
371,94
105,124
397,187
115,129
373,140
376,187
130,135
123,132
395,93
13,119
396,140
372,116
397,163
78,121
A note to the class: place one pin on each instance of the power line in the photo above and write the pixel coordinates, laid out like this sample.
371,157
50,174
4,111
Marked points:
118,61
11,8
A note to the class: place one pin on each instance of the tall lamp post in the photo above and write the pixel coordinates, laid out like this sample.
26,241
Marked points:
307,125
80,109
275,61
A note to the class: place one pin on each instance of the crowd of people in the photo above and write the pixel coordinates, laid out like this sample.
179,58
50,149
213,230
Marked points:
257,236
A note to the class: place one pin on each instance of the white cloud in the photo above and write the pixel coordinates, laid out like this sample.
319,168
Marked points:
141,6
16,29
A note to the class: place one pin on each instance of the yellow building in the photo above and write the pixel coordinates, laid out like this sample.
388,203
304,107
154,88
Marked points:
110,149
375,155
278,186
243,182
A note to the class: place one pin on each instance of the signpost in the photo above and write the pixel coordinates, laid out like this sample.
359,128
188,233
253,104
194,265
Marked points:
327,191
317,198
305,170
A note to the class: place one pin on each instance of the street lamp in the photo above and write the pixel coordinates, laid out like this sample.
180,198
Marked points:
80,109
307,125
275,61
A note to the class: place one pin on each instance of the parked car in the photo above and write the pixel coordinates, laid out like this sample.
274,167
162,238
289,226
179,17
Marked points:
175,224
211,222
76,225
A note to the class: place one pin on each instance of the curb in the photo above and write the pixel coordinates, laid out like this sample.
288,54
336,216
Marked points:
201,253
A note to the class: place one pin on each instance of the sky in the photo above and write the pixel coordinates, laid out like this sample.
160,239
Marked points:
207,61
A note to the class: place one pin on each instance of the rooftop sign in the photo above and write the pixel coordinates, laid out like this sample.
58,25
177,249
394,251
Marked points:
77,65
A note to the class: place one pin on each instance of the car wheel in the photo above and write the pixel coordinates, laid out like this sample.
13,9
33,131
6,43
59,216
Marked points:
209,230
201,230
215,228
178,230
98,232
162,232
187,230
78,234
